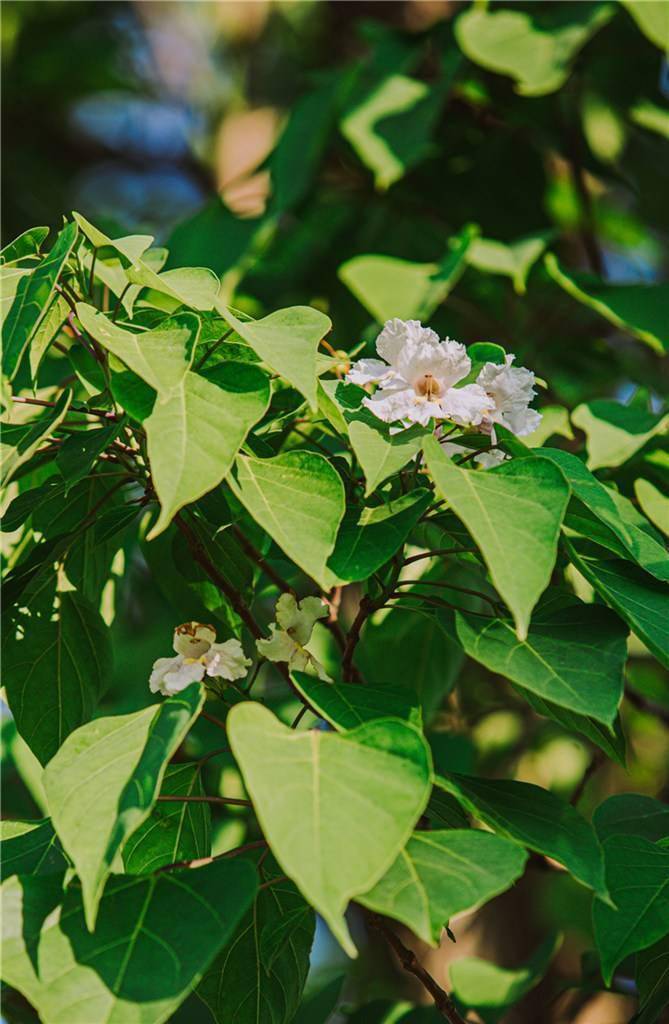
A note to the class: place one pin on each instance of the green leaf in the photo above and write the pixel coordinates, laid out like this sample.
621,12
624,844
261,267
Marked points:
161,357
103,782
370,536
79,452
635,535
641,601
387,286
323,801
46,331
490,990
554,420
20,441
615,432
514,260
32,300
28,243
537,819
411,648
652,18
295,160
195,434
253,981
30,848
440,874
632,814
638,309
196,287
390,128
346,707
654,504
652,982
174,831
380,453
512,43
298,499
129,248
154,939
287,341
55,668
573,657
609,739
514,514
637,873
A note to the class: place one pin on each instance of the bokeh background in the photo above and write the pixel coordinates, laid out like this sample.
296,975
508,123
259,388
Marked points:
275,143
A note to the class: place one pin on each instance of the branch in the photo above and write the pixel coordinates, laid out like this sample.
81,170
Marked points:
595,762
199,862
439,551
366,608
410,963
207,800
648,706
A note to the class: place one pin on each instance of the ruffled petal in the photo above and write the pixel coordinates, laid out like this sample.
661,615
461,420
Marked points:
279,647
391,404
368,371
397,334
160,669
227,660
466,406
178,678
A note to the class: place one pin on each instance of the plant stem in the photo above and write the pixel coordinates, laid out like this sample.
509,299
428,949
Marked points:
438,551
206,800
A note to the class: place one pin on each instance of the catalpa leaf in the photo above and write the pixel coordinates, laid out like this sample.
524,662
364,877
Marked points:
345,706
30,848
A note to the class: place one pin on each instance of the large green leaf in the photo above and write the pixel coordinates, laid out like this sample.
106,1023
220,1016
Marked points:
255,981
652,17
514,514
194,436
610,739
129,248
28,243
287,341
380,453
652,982
161,357
153,941
196,287
439,874
632,814
346,706
20,441
30,848
573,657
637,874
654,504
103,783
617,514
55,667
639,309
324,803
32,300
536,818
490,990
514,260
615,432
174,831
368,537
639,599
298,499
536,55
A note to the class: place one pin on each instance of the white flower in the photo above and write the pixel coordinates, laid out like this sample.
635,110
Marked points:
488,460
510,390
291,633
416,377
197,655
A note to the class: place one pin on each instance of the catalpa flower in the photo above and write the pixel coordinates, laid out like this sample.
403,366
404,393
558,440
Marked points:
291,633
197,655
510,390
416,377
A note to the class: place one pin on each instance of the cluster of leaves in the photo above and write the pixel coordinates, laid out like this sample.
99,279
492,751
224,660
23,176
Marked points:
147,412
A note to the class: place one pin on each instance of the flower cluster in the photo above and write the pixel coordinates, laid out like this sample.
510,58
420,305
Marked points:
291,633
417,381
197,655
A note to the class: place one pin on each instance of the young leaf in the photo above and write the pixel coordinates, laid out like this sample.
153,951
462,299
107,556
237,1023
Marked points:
32,300
573,657
160,357
55,667
490,990
30,848
637,874
346,707
514,260
20,441
368,537
324,804
174,831
128,754
28,243
439,874
387,286
536,818
153,941
194,435
298,499
514,514
615,432
287,341
253,981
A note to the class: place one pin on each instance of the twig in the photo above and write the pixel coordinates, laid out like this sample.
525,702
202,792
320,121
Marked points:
596,761
299,716
261,562
51,405
207,800
410,963
199,862
213,720
438,551
273,881
213,753
212,348
648,706
450,586
365,609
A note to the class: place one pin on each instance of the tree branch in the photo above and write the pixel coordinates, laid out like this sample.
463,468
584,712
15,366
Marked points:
207,800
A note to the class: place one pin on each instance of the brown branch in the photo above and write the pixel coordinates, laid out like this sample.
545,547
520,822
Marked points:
410,963
366,608
255,556
451,586
438,551
207,800
199,862
51,405
595,762
214,721
649,707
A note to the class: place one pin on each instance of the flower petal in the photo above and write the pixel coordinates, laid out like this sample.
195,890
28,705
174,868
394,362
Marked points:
182,676
368,371
227,660
466,406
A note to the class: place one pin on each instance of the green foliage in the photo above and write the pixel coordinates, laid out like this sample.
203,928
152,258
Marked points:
422,635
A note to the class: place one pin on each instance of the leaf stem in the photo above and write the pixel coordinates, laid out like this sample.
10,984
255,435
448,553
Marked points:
237,802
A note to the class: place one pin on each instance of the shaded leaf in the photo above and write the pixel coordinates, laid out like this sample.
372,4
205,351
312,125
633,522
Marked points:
30,848
20,441
632,814
615,432
345,706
